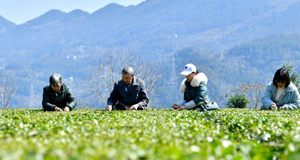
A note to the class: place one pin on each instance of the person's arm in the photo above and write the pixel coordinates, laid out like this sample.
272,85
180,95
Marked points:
200,99
113,98
181,103
266,99
47,106
295,101
178,104
70,99
143,97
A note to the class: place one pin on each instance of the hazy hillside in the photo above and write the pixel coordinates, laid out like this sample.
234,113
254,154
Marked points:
147,26
231,41
5,24
267,54
275,48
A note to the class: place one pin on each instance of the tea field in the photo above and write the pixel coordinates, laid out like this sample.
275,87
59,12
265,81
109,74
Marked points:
150,134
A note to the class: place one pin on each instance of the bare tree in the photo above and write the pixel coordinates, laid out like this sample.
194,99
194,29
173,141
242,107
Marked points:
7,90
253,91
108,71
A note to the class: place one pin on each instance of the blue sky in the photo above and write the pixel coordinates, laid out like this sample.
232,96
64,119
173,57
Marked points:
20,11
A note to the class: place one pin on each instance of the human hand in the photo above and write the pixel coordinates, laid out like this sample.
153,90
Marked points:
181,108
175,106
273,106
283,107
109,107
57,109
67,109
134,107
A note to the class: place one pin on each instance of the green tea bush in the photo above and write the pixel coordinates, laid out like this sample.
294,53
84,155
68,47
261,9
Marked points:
238,101
164,134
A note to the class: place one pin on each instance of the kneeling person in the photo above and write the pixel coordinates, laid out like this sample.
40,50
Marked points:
57,96
129,93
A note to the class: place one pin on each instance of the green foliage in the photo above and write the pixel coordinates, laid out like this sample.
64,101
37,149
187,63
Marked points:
295,78
151,134
238,101
253,93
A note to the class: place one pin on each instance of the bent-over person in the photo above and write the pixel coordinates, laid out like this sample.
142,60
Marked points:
129,93
195,91
57,96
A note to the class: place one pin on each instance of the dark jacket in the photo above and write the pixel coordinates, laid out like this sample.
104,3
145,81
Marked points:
196,94
61,99
137,94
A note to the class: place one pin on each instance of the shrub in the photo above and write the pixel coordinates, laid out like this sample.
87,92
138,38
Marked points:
238,101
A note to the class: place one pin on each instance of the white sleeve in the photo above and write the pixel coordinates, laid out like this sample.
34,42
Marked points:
191,104
181,103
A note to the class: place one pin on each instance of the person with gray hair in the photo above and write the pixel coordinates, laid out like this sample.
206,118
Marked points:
129,93
57,96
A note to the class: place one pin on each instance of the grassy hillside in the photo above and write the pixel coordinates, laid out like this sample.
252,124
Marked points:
150,134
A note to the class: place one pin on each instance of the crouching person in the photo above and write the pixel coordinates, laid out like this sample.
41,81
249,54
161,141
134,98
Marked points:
195,91
281,93
129,93
58,96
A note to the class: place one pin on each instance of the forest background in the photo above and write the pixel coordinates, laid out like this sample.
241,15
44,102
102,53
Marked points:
232,42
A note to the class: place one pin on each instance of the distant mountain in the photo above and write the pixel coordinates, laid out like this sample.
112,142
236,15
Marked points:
5,24
110,9
56,16
149,25
50,16
271,50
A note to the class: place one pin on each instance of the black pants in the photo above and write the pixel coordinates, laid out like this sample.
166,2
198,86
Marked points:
119,106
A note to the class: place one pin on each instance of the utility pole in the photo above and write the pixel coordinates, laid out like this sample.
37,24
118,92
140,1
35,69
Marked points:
173,83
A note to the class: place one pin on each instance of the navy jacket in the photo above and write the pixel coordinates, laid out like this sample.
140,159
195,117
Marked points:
137,94
61,99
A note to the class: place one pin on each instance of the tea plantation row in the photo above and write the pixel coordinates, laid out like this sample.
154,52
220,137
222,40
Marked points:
150,134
